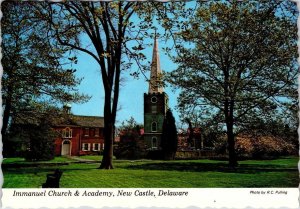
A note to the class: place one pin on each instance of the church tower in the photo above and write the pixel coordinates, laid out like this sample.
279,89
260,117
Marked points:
155,104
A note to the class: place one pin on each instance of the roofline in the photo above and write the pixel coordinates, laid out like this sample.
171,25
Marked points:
88,116
77,126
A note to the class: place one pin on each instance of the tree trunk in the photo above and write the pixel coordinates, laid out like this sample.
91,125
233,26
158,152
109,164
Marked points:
231,145
230,135
109,119
6,115
169,155
108,147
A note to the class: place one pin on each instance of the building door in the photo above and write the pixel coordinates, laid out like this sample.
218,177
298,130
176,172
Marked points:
66,148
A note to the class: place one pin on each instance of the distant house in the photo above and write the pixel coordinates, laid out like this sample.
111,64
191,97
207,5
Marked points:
79,135
127,136
182,140
188,140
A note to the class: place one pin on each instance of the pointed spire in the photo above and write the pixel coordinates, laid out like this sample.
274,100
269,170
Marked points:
155,83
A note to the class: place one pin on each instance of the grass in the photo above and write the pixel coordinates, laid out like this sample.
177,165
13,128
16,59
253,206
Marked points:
92,157
159,174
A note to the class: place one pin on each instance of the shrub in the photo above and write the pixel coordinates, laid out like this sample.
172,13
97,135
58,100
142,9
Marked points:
41,142
259,147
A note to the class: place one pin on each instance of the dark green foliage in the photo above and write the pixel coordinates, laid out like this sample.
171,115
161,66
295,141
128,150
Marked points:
38,139
131,145
130,150
31,133
169,138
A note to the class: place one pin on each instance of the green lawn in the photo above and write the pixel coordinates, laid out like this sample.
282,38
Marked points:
155,174
92,157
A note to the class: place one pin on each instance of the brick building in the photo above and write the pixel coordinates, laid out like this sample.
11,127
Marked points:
79,135
188,141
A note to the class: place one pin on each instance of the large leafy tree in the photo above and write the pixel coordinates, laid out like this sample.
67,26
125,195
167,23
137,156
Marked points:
33,66
34,141
104,26
238,64
113,34
31,133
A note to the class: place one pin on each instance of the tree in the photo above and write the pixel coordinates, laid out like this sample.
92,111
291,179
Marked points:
32,65
130,130
129,125
40,141
105,25
130,146
240,64
30,133
169,139
107,28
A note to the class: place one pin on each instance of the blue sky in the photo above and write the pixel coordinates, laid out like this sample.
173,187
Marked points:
131,93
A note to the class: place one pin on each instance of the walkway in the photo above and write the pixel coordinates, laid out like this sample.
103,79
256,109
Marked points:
78,159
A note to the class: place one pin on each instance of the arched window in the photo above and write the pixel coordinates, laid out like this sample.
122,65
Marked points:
67,133
154,126
154,142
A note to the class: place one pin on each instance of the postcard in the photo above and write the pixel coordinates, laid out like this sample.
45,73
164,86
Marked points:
139,104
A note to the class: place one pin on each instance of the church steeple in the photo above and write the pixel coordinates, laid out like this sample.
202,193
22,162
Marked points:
155,83
155,104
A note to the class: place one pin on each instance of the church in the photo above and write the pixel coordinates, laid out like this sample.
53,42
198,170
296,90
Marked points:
155,104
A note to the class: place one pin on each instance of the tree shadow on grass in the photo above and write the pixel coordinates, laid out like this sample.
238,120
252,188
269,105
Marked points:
37,169
207,167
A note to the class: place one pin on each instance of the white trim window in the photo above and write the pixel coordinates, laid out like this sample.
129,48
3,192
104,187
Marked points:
154,126
96,146
154,142
102,146
67,133
86,146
